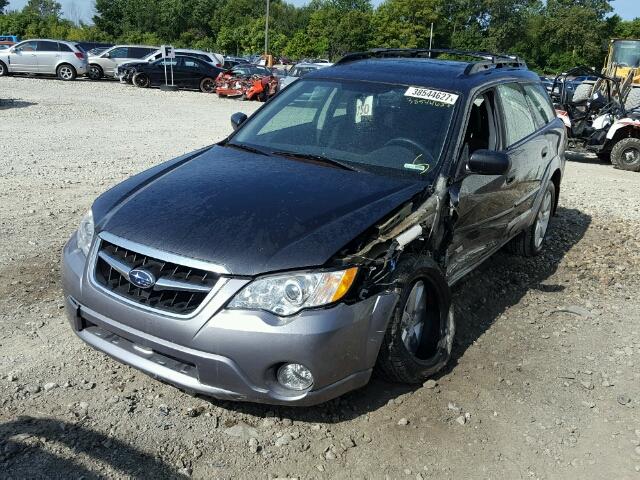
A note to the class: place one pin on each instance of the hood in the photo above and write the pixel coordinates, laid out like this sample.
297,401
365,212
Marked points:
247,212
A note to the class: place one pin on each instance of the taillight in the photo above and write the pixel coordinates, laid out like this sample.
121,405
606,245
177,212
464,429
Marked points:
80,55
219,65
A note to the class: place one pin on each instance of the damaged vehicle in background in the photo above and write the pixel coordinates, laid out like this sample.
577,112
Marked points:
320,240
247,82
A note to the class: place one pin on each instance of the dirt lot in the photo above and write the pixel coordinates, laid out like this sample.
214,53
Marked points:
545,381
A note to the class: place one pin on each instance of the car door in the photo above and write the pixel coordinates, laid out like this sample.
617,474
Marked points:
191,71
528,149
48,54
23,58
481,205
110,59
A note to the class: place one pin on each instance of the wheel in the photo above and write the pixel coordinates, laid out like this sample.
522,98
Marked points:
419,336
207,85
625,154
141,80
66,72
582,93
530,242
633,99
95,72
4,71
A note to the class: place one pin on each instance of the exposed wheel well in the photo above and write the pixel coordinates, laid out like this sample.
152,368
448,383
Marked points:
556,178
625,132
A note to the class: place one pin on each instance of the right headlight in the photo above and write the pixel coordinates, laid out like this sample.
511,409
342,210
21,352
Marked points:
85,232
290,293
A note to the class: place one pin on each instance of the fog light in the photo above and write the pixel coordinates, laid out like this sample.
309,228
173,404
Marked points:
295,376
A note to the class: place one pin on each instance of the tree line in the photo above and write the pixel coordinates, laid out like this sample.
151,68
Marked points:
550,35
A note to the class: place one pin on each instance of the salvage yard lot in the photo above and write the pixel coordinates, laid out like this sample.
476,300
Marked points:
546,362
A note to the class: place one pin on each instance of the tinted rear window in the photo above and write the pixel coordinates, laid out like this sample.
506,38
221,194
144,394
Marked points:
140,52
44,46
64,47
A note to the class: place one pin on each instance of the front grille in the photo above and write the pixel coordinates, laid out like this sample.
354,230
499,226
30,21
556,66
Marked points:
178,289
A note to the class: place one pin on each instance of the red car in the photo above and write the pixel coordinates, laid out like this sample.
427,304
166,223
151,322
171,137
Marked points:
247,82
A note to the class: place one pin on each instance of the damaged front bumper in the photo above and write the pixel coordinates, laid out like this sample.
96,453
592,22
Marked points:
230,354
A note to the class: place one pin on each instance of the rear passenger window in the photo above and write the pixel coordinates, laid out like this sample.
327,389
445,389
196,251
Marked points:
120,52
518,120
63,47
44,46
138,52
540,103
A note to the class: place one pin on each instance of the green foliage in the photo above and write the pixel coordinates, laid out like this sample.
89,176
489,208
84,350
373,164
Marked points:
551,35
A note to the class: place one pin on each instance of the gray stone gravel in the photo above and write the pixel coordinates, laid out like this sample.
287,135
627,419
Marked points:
546,362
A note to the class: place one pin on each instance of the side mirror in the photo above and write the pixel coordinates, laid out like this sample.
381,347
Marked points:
106,55
238,119
489,162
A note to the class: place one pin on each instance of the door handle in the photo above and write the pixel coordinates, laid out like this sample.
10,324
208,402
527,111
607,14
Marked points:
510,179
545,152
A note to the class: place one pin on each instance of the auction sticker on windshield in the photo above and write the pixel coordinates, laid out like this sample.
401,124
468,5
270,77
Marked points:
432,95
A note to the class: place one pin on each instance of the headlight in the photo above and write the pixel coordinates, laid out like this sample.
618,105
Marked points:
289,293
85,232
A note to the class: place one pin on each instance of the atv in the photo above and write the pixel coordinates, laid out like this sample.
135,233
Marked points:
597,120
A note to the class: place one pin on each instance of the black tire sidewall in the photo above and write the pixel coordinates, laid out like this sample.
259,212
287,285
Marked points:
100,72
4,72
202,83
409,271
619,148
139,76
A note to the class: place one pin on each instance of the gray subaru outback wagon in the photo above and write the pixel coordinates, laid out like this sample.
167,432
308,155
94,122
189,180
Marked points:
318,242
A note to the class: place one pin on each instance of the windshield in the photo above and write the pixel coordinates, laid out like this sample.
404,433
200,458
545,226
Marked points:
383,128
626,53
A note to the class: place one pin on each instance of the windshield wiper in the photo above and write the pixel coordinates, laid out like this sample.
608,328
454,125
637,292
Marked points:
318,158
246,148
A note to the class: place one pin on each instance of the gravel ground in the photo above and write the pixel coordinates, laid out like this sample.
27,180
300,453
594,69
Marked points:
545,380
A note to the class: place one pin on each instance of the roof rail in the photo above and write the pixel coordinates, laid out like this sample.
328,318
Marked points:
485,61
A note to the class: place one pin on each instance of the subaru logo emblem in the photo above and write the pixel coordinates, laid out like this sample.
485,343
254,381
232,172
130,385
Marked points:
142,278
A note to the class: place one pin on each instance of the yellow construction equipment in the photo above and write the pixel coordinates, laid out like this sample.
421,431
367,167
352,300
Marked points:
623,62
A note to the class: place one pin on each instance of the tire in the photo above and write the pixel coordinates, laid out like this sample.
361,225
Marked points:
408,355
141,80
633,99
95,72
207,85
582,93
4,71
625,154
66,72
531,242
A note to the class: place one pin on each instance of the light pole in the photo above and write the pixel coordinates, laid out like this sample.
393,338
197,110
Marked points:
266,33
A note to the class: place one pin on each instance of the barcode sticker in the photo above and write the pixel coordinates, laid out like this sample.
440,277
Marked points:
433,95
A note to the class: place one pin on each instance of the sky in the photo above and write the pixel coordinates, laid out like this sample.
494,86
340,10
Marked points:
627,9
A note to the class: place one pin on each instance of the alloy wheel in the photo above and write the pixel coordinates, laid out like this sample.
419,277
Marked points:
542,221
66,73
208,85
414,317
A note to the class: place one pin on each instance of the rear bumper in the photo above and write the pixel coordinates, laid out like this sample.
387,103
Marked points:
230,92
229,354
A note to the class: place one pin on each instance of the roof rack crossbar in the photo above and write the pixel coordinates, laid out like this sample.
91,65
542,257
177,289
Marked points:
486,60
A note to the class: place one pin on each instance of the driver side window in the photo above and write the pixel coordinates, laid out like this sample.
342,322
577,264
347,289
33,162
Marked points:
482,131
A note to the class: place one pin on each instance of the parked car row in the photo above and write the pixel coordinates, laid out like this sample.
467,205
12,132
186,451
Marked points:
144,66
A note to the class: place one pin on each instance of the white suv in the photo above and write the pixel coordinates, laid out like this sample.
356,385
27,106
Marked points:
67,60
105,64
